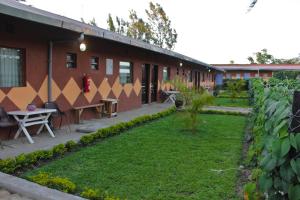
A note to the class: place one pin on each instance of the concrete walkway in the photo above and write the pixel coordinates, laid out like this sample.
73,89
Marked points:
229,109
44,141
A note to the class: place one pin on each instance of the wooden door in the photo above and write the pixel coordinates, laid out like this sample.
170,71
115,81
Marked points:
154,80
145,83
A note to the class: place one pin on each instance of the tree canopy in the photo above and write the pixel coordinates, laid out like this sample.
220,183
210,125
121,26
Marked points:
156,29
263,57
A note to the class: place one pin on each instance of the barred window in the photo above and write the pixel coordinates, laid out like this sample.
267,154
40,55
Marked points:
11,67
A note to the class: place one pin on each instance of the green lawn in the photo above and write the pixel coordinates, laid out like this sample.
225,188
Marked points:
238,102
160,160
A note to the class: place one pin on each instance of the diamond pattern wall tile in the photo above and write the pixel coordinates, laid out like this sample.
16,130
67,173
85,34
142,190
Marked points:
137,87
93,90
55,90
104,88
22,96
43,91
117,88
71,91
2,96
128,89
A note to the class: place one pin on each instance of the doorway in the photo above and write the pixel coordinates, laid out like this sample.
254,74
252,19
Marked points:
154,80
145,83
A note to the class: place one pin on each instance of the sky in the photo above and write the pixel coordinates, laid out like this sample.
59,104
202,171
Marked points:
213,31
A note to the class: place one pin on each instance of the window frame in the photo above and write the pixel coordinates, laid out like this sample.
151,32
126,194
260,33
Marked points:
68,62
95,63
168,74
23,82
131,72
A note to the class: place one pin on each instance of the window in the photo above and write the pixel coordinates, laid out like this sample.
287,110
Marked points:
238,76
228,75
94,62
166,73
71,60
126,72
256,75
11,67
177,71
109,66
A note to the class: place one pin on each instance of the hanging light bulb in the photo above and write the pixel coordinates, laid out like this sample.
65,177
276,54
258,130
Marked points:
82,46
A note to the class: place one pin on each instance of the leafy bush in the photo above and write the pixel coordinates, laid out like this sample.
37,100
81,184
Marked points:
59,150
235,87
71,145
58,183
275,150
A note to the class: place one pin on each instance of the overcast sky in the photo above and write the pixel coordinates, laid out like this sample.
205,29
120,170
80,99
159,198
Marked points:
213,31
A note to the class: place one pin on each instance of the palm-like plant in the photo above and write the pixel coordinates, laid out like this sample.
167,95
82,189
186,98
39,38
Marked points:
235,87
194,99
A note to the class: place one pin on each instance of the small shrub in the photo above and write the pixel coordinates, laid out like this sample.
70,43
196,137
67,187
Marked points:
91,194
59,150
87,139
8,165
58,183
70,145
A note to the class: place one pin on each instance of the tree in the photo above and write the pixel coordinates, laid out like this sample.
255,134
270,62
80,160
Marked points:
235,87
263,57
231,61
110,22
155,30
91,22
163,34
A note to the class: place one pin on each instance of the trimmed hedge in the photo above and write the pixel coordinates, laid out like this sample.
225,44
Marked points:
65,185
30,160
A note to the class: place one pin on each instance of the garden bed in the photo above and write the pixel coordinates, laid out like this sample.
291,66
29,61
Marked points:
160,160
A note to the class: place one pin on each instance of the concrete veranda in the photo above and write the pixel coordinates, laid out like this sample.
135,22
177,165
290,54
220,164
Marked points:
44,141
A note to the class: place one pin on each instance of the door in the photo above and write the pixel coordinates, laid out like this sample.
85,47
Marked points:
153,86
219,79
145,83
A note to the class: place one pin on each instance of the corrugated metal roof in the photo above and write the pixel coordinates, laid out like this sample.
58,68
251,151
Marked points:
256,67
19,10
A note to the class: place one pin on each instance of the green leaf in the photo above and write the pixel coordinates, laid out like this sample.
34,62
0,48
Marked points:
279,127
286,172
276,148
297,138
271,164
265,182
285,146
293,141
294,166
294,192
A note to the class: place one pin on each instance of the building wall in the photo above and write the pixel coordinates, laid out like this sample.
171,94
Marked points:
251,74
67,83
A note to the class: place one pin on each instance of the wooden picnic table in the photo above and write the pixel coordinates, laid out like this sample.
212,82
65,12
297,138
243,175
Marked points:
25,119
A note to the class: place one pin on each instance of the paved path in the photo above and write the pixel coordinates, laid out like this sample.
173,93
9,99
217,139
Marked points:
228,109
5,195
44,141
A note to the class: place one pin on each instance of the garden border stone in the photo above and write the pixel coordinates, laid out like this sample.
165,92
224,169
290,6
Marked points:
33,190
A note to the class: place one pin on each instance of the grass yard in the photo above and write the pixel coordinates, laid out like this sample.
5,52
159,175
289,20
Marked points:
160,160
238,102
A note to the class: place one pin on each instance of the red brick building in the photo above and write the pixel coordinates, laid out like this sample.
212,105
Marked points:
246,71
40,61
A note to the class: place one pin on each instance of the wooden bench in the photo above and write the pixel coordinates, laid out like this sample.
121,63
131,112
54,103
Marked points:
78,110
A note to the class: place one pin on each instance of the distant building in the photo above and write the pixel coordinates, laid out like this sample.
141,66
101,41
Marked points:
247,71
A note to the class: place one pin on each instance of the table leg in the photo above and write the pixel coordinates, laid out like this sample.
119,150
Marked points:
47,126
18,132
49,130
27,134
19,124
41,128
